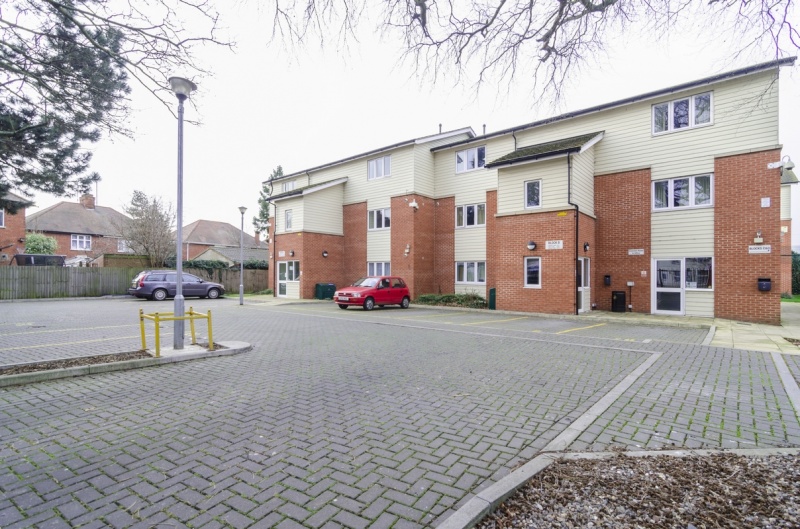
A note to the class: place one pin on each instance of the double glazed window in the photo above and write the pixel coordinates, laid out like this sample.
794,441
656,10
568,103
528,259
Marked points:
682,192
288,186
698,273
289,271
470,215
379,167
470,159
2,218
288,220
80,242
533,194
471,272
683,113
378,269
379,219
533,272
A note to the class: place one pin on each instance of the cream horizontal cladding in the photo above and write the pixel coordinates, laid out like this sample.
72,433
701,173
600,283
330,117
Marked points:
471,186
745,118
379,246
583,180
400,181
682,233
511,185
700,303
296,205
470,243
293,289
424,167
323,212
480,290
786,202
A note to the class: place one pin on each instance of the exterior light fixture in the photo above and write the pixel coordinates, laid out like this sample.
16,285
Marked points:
291,253
531,245
586,247
324,253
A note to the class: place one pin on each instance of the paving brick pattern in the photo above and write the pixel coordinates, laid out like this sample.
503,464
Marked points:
345,418
793,363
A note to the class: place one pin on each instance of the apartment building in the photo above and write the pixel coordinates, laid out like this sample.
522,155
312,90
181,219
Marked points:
671,202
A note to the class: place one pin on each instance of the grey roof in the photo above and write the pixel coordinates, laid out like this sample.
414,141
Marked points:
543,150
232,254
72,217
305,190
11,197
215,233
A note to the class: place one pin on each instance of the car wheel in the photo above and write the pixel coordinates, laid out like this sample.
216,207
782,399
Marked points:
405,303
159,294
213,293
369,304
342,306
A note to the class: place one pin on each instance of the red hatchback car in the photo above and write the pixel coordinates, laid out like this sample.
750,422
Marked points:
370,291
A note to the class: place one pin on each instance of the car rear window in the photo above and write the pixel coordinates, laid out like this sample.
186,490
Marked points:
155,277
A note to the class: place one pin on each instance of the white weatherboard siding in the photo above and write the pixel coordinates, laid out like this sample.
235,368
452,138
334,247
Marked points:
469,187
471,289
424,169
322,211
470,244
379,246
583,180
296,205
511,185
700,303
786,202
745,118
682,233
293,289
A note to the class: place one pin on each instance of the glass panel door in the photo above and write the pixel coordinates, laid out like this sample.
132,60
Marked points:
669,291
282,268
584,291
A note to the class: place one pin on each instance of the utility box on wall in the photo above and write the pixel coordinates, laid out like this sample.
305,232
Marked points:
764,284
618,301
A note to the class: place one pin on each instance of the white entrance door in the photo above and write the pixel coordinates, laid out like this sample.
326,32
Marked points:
669,290
584,282
282,270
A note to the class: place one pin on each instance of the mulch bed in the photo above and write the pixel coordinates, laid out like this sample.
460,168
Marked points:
73,362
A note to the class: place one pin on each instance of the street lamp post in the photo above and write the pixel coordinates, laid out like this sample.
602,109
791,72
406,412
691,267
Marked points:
182,88
242,209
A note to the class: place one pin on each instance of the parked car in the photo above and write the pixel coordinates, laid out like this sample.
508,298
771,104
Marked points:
374,290
161,284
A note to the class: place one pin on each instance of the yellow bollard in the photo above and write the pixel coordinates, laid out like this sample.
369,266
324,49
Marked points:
158,336
191,325
141,328
210,336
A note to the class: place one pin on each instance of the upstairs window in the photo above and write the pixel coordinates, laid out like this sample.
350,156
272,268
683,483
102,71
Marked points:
533,194
470,215
123,246
379,167
2,218
288,220
288,186
470,159
688,112
379,219
684,192
80,242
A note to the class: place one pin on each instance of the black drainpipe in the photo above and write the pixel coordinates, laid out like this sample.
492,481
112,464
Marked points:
577,218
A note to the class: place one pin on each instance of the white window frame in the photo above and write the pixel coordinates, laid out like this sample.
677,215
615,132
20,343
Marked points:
80,242
378,268
692,124
288,186
692,196
379,167
462,221
385,219
287,220
462,272
123,247
525,272
476,154
292,271
2,218
525,193
686,275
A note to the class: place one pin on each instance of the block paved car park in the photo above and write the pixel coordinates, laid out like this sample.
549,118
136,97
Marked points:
395,426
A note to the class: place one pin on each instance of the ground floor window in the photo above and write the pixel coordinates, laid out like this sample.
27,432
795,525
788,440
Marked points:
471,272
698,272
289,271
533,272
378,269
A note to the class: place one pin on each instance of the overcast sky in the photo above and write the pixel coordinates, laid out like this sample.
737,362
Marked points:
264,107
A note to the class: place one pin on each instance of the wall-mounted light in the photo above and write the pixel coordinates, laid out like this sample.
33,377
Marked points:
407,250
758,239
531,245
291,253
324,253
788,164
586,247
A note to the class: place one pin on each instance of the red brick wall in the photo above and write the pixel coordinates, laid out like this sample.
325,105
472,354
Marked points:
786,257
354,260
740,182
414,227
622,206
315,268
444,247
191,250
557,295
11,233
100,245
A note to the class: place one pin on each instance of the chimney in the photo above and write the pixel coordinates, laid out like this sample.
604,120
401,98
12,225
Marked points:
258,238
87,201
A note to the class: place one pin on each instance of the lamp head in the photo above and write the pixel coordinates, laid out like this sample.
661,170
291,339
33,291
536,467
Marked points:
531,245
182,87
242,209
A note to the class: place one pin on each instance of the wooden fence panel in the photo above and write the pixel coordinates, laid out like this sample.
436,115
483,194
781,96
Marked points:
254,280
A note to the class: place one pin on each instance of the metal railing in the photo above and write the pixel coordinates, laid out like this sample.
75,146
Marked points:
190,315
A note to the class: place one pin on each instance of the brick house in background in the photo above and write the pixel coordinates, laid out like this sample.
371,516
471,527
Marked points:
83,230
203,235
670,202
12,230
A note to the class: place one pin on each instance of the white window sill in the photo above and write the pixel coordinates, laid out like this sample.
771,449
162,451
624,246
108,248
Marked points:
682,129
682,208
537,287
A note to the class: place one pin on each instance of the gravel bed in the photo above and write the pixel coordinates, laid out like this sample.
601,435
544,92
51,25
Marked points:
73,362
695,492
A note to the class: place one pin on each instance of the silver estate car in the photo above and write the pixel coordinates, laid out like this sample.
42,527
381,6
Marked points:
161,284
